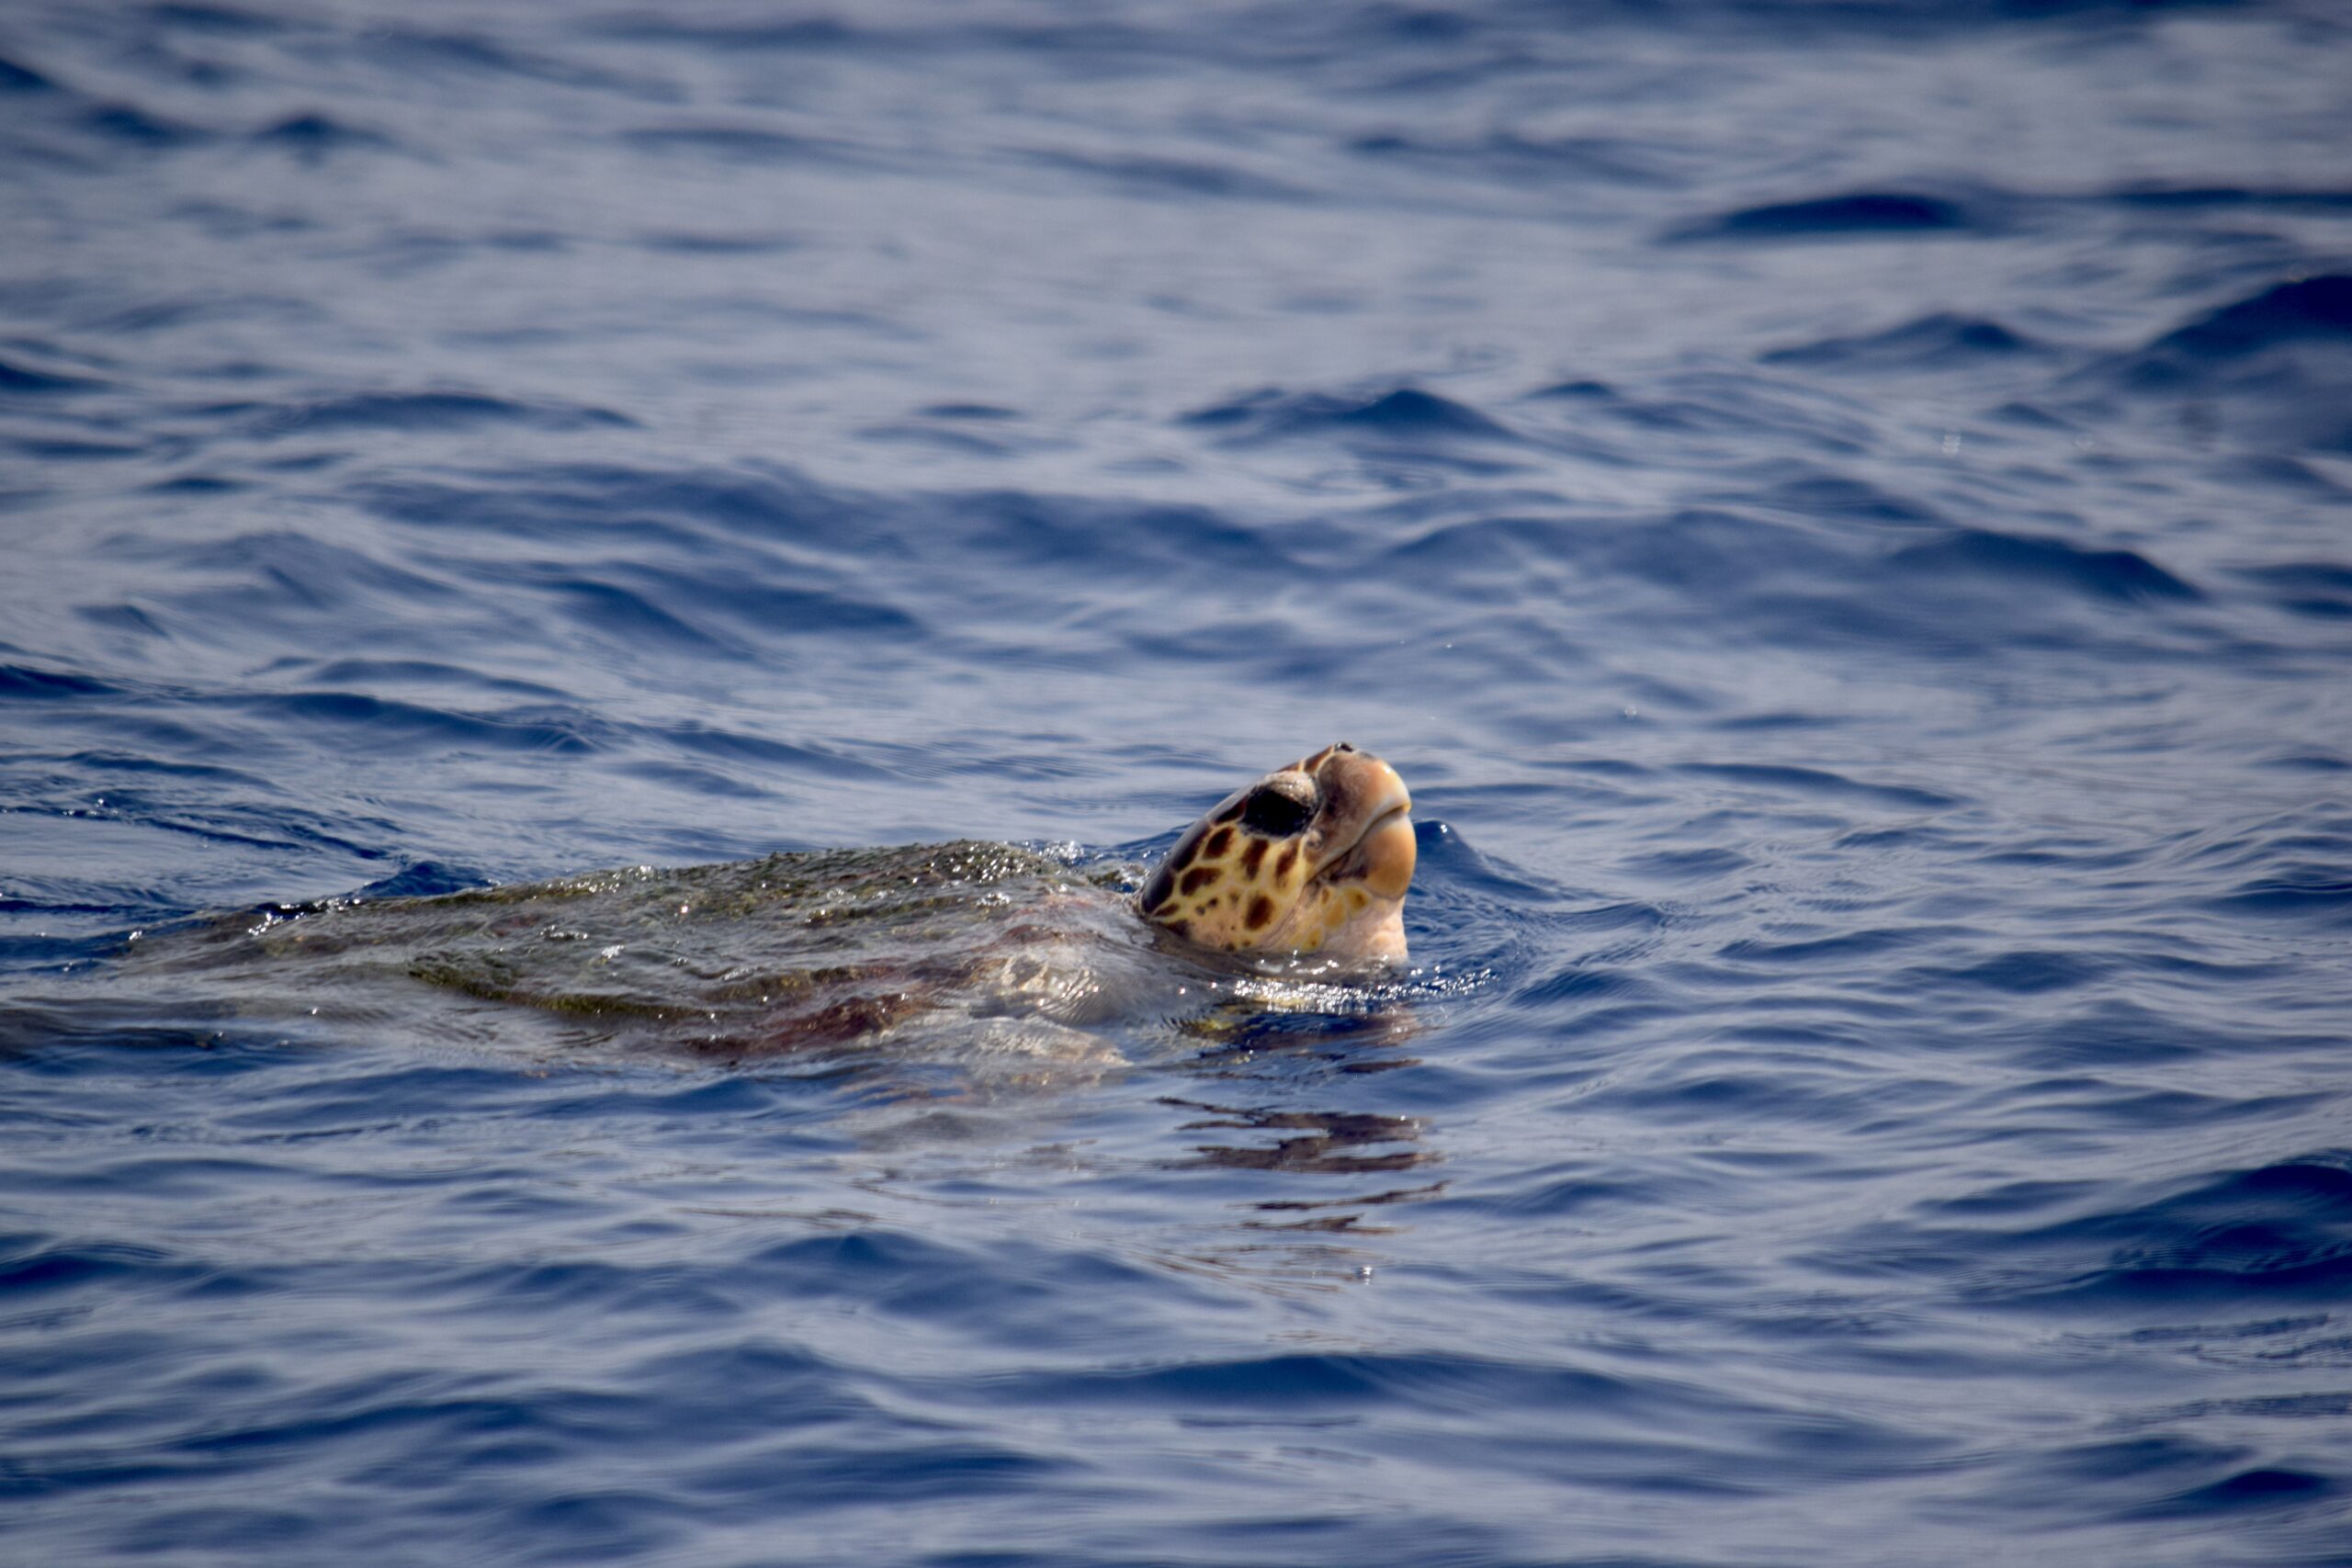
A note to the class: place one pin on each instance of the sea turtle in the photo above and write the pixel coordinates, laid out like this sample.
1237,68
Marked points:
982,948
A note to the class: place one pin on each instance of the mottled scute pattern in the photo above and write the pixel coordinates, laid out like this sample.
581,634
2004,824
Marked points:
793,952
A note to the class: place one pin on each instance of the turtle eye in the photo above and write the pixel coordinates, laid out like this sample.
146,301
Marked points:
1274,813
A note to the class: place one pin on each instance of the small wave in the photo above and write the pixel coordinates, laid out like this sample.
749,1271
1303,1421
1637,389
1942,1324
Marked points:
1583,390
630,618
1852,946
125,123
2267,1486
682,242
433,410
776,609
1710,404
2027,972
426,672
2159,1477
316,137
766,752
17,379
2271,369
1159,543
2259,197
1717,557
384,723
198,18
423,879
794,34
2293,892
66,1266
1403,413
2122,576
1304,1382
162,315
1861,215
1839,495
564,503
2322,589
16,78
1486,548
1504,156
414,53
76,451
22,682
961,442
735,143
2312,310
967,411
2283,1229
314,571
1821,782
2257,470
1931,343
1177,176
198,484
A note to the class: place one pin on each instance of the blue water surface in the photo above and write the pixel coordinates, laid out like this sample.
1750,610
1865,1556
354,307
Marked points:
1842,512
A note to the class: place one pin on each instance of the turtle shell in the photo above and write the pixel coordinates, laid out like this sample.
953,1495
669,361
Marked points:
980,949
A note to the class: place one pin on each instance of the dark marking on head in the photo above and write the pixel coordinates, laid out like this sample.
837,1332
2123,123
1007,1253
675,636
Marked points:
1289,858
1254,857
1218,842
1262,910
1200,876
1231,813
1277,813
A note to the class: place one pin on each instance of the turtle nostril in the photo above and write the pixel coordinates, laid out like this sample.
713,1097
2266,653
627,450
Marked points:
1343,746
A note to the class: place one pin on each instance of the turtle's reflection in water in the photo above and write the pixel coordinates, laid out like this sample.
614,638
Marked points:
1326,1142
1304,1235
1315,1143
1300,1141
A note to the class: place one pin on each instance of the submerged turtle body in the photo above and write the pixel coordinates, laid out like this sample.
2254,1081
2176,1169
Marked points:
990,948
793,952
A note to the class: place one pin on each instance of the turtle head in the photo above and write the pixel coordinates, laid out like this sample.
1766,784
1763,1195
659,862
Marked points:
1313,858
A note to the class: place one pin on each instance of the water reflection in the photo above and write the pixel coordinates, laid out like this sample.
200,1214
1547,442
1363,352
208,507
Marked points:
1338,1028
1318,1142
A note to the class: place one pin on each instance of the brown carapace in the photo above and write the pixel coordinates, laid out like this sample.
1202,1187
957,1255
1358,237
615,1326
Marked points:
1313,858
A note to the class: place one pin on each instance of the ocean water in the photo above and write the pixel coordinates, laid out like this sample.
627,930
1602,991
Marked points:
1842,512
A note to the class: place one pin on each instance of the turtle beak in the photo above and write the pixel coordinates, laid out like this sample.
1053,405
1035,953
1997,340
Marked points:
1371,827
1387,851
